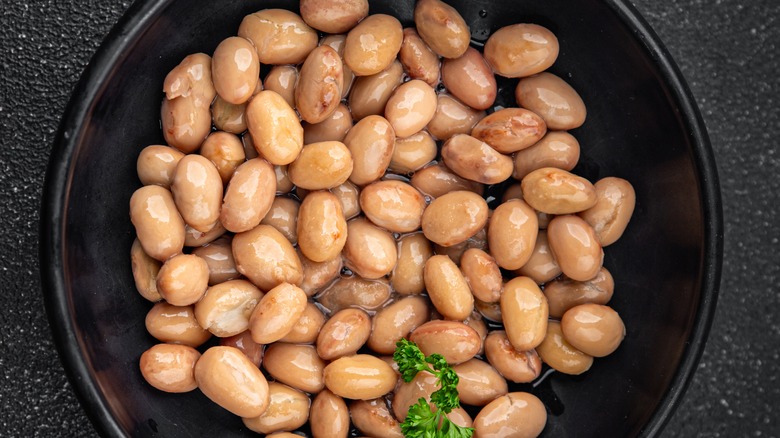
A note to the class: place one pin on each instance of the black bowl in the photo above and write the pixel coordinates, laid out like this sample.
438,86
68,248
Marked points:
642,125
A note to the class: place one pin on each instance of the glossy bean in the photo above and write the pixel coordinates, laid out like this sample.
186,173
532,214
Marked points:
175,325
524,310
514,365
371,142
227,377
452,117
516,414
276,313
354,291
248,196
281,80
556,149
156,164
197,192
333,128
307,328
295,365
279,36
475,160
419,61
564,293
318,91
482,274
266,257
225,308
609,217
553,100
169,367
395,321
560,355
447,288
235,70
469,78
343,334
410,107
288,409
393,205
333,17
575,246
283,215
442,28
594,329
369,251
157,222
479,383
145,270
454,217
521,50
329,416
541,266
369,94
183,279
359,377
373,44
557,191
407,276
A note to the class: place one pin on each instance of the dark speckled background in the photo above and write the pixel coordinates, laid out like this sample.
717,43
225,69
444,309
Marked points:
729,51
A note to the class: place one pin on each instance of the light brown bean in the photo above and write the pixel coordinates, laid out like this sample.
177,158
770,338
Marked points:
235,70
369,251
288,409
452,117
371,142
517,366
447,288
175,325
276,131
454,217
594,329
359,377
455,252
266,257
553,100
248,196
295,365
454,340
283,215
349,196
156,164
228,117
476,322
354,291
482,274
510,129
560,355
575,246
407,394
157,222
307,328
524,310
469,78
413,152
541,266
479,383
318,275
191,77
373,44
186,121
564,293
557,191
337,43
490,311
333,16
226,307
333,128
276,313
475,160
393,205
343,334
283,182
197,192
169,367
145,271
329,416
609,217
183,279
194,238
556,149
517,414
419,61
322,166
225,151
227,377
318,91
281,80
243,341
442,28
521,50
322,229
437,180
410,107
369,94
407,276
373,418
279,36
393,322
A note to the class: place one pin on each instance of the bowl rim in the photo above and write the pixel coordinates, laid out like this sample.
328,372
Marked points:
136,20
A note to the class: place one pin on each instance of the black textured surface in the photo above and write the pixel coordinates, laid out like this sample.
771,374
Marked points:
728,51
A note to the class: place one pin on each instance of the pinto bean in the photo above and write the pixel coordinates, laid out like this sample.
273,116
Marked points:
524,310
231,380
157,222
169,367
249,196
279,36
442,28
517,366
197,192
469,78
156,164
226,307
521,50
395,321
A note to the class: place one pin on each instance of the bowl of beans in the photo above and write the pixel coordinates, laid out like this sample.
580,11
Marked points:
385,219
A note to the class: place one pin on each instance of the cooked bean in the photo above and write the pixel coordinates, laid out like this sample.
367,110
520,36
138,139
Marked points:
482,274
318,275
475,160
370,251
329,416
479,383
225,151
145,271
575,246
322,165
157,222
333,128
419,61
191,77
454,340
454,217
175,325
235,70
558,191
197,192
517,366
283,215
371,142
169,367
318,91
413,152
411,106
225,308
594,329
407,394
183,279
359,377
553,100
322,229
276,131
243,341
395,321
307,328
357,292
156,165
437,180
349,196
524,310
373,44
521,50
615,201
249,146
476,322
460,417
510,129
218,256
343,334
469,78
517,414
279,36
337,42
276,313
452,118
373,418
370,94
556,149
288,409
442,28
281,80
560,355
490,311
447,288
393,205
249,196
333,17
295,365
228,117
413,251
541,266
266,257
565,293
455,252
231,380
186,121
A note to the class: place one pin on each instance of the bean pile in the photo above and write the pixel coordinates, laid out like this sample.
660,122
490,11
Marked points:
312,219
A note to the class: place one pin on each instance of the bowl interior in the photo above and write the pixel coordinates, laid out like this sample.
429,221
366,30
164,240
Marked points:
635,129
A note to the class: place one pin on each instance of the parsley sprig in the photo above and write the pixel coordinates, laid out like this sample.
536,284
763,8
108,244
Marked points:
422,421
